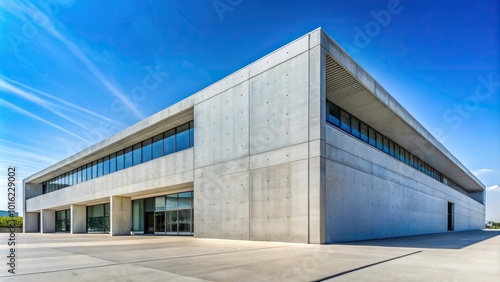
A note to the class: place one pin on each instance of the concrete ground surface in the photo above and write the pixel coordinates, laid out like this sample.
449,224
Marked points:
453,256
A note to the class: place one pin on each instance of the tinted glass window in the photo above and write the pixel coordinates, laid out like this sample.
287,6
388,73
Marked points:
371,136
157,146
355,126
345,121
94,169
182,137
89,171
120,160
379,141
191,134
396,150
127,157
105,165
364,132
185,200
99,167
149,204
83,174
172,202
333,114
137,154
146,150
112,163
386,145
169,142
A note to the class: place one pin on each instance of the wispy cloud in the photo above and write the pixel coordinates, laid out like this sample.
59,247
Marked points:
30,9
482,171
57,99
40,102
493,188
33,116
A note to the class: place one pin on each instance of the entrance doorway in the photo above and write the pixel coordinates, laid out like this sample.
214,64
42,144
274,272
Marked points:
171,214
149,222
450,216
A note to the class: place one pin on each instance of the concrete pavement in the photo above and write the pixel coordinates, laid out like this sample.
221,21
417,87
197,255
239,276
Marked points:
454,256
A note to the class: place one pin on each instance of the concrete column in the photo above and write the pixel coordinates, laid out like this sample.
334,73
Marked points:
31,222
78,219
121,214
48,219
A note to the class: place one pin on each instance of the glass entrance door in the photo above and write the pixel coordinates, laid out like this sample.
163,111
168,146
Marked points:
149,223
185,222
172,222
160,222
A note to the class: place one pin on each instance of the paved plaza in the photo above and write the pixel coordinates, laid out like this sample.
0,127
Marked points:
454,256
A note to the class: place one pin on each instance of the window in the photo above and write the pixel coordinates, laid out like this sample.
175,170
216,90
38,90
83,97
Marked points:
94,169
84,173
364,132
89,171
379,141
112,163
105,165
99,167
138,215
171,203
391,147
120,160
160,203
146,150
386,144
128,157
182,137
355,126
191,134
333,116
157,146
185,200
371,136
63,221
345,121
98,218
137,154
396,151
169,142
78,178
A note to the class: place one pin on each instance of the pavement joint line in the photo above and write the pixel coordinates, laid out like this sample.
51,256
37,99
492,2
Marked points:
137,262
364,266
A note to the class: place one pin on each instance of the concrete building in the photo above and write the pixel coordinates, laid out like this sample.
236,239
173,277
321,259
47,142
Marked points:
300,146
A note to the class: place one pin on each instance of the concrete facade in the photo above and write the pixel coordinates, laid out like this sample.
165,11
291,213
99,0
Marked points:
266,165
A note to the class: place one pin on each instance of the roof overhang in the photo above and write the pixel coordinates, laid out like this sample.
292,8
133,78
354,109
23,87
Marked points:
353,89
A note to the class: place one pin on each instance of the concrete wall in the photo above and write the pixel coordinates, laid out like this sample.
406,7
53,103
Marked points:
369,194
48,219
31,222
121,214
252,150
78,219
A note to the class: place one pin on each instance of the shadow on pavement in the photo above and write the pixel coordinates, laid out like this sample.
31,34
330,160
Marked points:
448,240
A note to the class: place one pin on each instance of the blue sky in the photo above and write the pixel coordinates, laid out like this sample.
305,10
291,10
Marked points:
75,72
